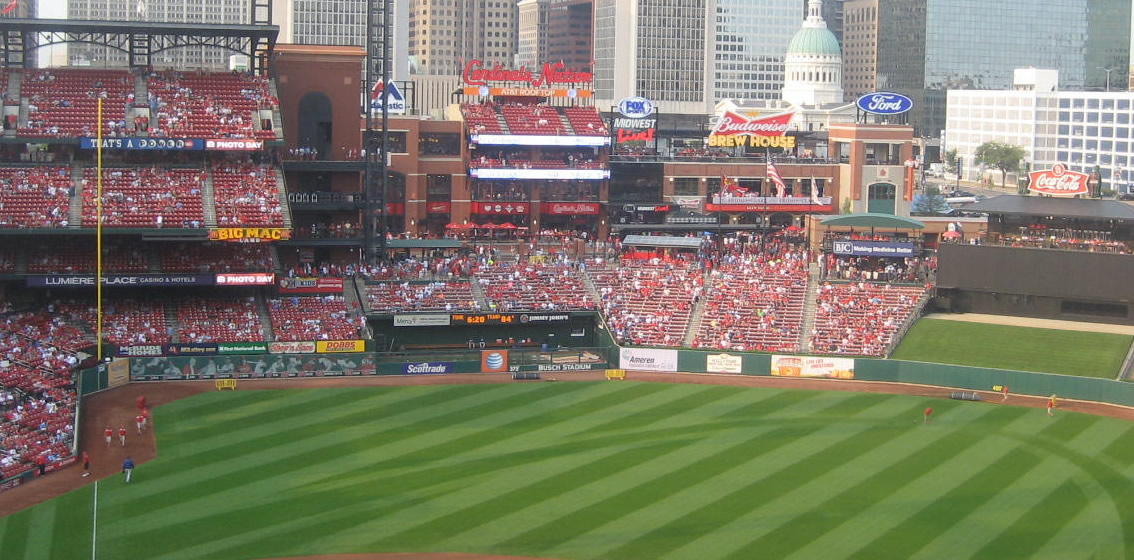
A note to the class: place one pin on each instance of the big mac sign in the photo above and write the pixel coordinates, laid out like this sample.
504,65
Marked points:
1059,181
736,130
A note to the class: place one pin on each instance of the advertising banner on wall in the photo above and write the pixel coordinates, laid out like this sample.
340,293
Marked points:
647,359
246,279
117,373
493,361
249,235
340,346
311,285
294,347
132,280
242,348
500,208
812,366
131,143
1059,181
433,320
427,368
723,363
569,208
873,248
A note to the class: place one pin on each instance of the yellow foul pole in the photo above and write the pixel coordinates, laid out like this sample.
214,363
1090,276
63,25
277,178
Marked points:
98,236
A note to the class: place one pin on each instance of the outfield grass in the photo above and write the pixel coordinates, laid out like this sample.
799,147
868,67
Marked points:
1089,354
604,470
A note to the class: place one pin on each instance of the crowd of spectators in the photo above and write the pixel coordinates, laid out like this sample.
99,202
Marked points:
37,391
208,105
217,257
554,286
330,230
877,269
402,297
35,197
755,299
314,318
219,320
145,197
648,302
861,318
247,194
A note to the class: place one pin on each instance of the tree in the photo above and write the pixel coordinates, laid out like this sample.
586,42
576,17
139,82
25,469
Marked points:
1005,157
950,162
930,203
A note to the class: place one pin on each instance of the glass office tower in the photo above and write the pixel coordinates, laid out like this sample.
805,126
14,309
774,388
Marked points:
924,47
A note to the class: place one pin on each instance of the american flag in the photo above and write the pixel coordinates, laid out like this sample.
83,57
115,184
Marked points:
777,179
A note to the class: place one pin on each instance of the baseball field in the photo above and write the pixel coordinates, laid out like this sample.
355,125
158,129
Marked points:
618,470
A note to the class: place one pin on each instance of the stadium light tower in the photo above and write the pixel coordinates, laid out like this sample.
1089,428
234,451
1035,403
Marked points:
376,177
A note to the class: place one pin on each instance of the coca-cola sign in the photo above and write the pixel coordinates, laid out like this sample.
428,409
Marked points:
568,208
476,74
733,124
1059,181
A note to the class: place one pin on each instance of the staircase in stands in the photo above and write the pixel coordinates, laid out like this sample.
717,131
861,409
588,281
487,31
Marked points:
809,307
695,316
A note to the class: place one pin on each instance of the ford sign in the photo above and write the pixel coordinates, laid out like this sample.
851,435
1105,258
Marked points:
635,107
884,103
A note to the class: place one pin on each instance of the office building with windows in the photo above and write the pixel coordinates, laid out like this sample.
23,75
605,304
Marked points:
748,43
923,49
444,35
342,23
532,32
570,33
169,11
658,49
1086,131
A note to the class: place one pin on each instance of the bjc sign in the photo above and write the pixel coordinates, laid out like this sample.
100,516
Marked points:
1059,181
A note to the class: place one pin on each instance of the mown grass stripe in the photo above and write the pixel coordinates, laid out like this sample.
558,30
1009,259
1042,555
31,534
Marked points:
549,488
320,444
72,530
848,502
1122,448
509,526
14,540
1087,535
1033,529
224,442
42,529
608,511
736,489
906,538
681,408
274,406
866,519
402,490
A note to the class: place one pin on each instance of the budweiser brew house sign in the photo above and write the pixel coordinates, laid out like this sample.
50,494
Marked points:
1059,181
736,130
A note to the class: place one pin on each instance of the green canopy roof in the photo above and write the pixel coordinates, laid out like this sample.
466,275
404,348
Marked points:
873,220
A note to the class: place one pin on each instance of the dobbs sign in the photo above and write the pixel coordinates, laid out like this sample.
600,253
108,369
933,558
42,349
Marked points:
1059,181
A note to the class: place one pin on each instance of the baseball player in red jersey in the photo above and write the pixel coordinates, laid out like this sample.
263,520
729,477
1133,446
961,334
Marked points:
928,413
122,435
1051,402
140,421
1004,391
109,434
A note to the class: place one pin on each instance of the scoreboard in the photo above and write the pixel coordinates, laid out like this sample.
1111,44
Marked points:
485,319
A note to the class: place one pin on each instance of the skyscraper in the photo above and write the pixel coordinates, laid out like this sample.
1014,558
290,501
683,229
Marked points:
657,49
341,22
532,32
445,34
749,40
170,11
570,33
922,48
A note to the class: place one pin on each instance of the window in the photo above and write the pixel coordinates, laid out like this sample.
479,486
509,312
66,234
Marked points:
685,186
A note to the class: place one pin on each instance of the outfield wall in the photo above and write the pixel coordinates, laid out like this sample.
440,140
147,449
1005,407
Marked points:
898,371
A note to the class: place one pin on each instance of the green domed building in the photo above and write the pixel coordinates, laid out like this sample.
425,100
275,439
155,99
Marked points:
813,65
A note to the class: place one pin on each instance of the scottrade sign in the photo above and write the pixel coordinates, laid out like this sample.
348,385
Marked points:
884,103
